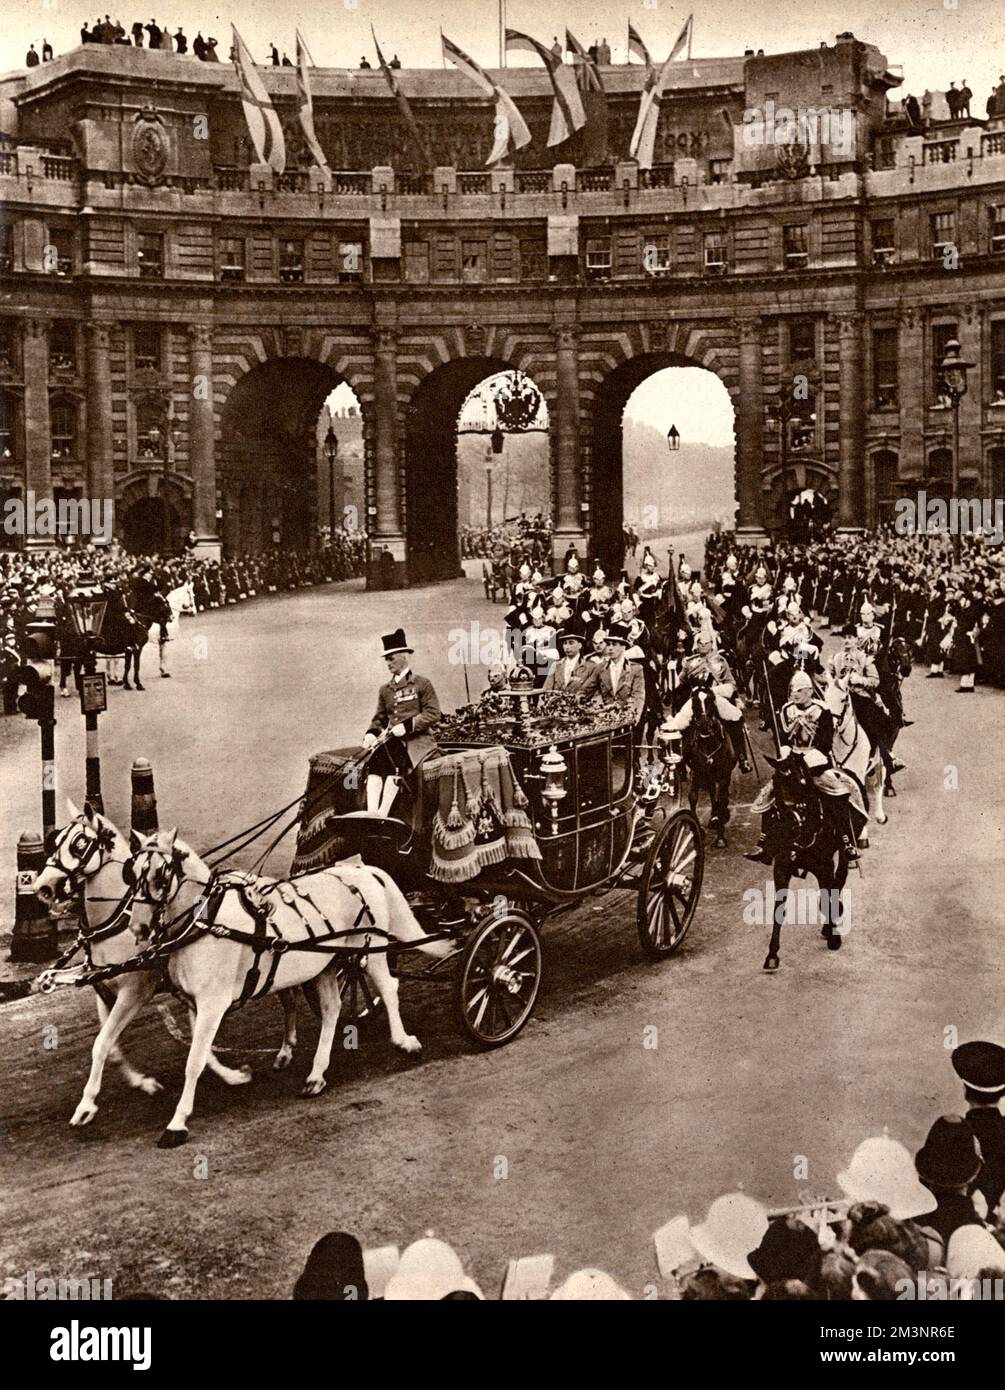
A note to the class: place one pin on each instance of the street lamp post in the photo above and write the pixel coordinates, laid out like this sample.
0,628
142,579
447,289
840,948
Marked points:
331,454
87,603
953,371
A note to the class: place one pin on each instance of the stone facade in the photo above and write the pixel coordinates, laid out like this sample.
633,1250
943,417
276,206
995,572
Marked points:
172,316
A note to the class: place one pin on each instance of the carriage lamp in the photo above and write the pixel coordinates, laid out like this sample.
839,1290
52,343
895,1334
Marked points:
553,770
673,439
671,742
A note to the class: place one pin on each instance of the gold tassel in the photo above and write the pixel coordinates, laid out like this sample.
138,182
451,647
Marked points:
454,821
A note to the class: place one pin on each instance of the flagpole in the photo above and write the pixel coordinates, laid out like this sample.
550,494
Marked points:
502,33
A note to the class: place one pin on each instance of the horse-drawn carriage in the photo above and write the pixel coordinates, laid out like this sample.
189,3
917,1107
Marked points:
531,806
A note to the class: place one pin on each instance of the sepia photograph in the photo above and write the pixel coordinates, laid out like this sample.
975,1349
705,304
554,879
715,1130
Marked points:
498,512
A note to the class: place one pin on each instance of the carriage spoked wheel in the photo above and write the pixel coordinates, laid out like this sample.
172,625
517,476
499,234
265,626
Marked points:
670,884
499,977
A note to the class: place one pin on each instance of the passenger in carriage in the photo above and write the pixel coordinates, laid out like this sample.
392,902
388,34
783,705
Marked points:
571,673
400,730
620,681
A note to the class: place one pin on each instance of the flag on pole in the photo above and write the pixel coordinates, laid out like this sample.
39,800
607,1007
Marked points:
306,104
511,131
636,46
263,123
644,136
407,114
591,85
683,39
567,114
586,67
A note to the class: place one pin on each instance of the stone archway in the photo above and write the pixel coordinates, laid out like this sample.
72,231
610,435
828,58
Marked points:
607,511
430,450
267,454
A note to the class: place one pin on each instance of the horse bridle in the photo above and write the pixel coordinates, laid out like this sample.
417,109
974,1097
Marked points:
143,890
85,842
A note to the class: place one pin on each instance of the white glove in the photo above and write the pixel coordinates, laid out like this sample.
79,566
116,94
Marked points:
369,740
398,730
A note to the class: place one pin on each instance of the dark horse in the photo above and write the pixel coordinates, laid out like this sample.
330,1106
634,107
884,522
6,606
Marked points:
710,759
893,665
123,634
812,846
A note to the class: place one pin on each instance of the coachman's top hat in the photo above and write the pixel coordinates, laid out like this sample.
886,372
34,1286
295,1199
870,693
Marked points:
981,1066
395,642
571,630
618,632
950,1156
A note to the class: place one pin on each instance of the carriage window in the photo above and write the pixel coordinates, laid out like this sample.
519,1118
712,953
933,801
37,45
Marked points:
592,775
620,765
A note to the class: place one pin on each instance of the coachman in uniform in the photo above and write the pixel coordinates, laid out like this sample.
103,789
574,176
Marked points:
407,710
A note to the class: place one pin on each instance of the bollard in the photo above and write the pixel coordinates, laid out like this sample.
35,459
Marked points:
144,803
34,936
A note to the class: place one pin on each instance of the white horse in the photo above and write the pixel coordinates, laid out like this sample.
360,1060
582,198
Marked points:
176,896
182,600
88,857
852,751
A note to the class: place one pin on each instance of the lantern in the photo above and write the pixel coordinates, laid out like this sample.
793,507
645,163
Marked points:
953,372
88,602
673,439
553,772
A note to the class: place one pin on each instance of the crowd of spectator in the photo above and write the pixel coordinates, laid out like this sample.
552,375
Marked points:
526,537
927,1227
28,579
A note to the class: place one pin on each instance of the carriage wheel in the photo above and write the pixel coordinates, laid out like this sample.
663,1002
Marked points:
670,885
359,1002
499,978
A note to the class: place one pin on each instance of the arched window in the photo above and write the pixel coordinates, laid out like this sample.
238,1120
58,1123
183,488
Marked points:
63,426
8,426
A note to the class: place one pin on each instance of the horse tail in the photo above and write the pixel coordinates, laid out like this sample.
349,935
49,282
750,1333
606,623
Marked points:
401,920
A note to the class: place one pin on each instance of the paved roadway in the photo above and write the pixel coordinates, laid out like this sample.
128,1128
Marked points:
604,1139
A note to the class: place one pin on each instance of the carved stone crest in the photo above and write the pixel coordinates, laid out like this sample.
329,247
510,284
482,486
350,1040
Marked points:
150,146
793,161
474,339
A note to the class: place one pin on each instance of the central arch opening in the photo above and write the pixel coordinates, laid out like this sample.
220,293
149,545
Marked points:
476,452
664,455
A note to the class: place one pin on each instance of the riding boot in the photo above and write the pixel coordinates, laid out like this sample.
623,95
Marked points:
387,796
768,845
838,812
374,786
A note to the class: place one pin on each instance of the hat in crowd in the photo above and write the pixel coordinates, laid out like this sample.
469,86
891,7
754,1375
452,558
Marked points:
788,1250
971,1249
951,1155
879,1277
589,1286
871,1227
395,642
881,1171
734,1225
599,571
525,571
429,1270
800,681
618,632
981,1067
572,564
648,559
333,1272
571,631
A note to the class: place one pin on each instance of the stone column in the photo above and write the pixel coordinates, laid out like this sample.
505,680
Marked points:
387,524
100,466
202,440
37,434
749,432
568,473
851,412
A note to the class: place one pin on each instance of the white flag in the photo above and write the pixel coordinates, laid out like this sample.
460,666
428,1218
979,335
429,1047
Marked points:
263,123
306,104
